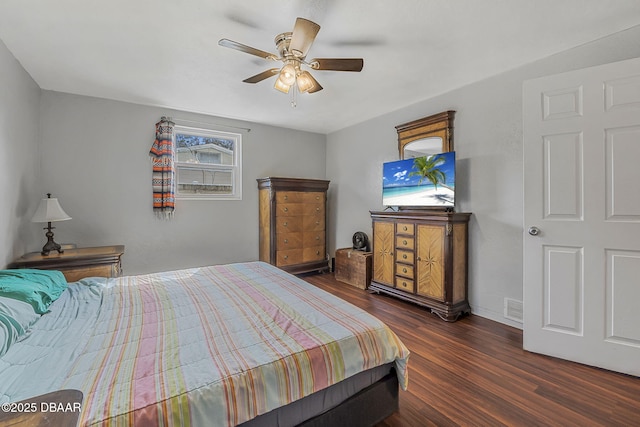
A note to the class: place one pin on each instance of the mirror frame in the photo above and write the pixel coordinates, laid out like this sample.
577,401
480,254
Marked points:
438,125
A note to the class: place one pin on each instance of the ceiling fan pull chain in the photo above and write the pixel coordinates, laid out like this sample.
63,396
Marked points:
294,90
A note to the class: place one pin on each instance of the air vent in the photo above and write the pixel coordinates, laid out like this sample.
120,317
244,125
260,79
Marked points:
513,309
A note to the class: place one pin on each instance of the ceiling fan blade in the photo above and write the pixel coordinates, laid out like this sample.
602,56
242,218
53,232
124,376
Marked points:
304,33
246,49
337,64
262,76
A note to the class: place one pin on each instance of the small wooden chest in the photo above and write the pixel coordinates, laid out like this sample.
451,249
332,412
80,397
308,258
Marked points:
353,267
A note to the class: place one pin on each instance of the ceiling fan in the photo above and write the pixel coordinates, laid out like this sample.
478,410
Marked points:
293,48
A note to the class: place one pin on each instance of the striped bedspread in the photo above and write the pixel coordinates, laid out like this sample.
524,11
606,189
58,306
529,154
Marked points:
205,346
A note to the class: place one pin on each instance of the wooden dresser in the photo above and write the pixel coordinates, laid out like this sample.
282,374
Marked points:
421,256
292,220
77,263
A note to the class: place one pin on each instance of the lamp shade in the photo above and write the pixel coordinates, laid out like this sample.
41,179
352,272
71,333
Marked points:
305,81
288,75
49,210
281,86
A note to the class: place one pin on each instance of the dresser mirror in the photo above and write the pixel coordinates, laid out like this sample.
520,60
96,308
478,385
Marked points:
426,136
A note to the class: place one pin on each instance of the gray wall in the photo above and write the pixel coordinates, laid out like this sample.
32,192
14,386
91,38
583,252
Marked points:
19,159
488,144
95,160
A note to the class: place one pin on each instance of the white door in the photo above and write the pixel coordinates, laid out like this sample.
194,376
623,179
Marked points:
582,216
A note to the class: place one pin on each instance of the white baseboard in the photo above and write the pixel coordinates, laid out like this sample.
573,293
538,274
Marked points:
497,317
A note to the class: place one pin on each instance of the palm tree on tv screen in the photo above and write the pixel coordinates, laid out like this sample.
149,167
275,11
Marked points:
427,167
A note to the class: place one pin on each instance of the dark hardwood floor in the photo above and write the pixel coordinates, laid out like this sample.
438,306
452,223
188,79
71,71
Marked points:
474,372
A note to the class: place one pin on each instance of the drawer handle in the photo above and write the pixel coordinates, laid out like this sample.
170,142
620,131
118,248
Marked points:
317,222
317,209
286,256
286,197
317,197
404,256
404,242
286,209
405,228
317,252
286,240
419,258
285,224
404,284
404,270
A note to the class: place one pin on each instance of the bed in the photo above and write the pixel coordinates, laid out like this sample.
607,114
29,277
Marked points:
238,344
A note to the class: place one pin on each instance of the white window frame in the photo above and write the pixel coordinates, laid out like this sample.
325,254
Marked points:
235,168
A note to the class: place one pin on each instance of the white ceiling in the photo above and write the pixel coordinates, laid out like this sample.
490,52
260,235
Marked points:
165,52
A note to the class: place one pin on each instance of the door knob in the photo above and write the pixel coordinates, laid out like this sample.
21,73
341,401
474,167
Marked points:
534,231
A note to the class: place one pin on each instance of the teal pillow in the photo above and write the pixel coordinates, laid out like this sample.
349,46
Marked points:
16,317
37,287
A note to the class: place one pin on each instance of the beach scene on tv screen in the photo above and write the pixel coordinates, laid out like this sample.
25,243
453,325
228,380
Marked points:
421,181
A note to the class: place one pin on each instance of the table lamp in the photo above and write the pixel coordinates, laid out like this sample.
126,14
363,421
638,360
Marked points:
49,210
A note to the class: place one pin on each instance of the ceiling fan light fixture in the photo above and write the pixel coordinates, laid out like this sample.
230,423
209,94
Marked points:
293,48
288,75
305,81
284,88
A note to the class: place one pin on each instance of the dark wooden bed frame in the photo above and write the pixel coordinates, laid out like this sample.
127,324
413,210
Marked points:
365,408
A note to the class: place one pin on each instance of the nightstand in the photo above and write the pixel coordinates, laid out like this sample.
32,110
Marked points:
58,408
77,263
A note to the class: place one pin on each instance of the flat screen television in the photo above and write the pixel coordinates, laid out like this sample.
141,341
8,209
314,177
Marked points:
427,181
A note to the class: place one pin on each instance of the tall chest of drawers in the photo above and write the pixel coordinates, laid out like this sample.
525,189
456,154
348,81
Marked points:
292,223
421,256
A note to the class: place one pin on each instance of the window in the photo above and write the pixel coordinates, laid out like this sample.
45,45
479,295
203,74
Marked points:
208,164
